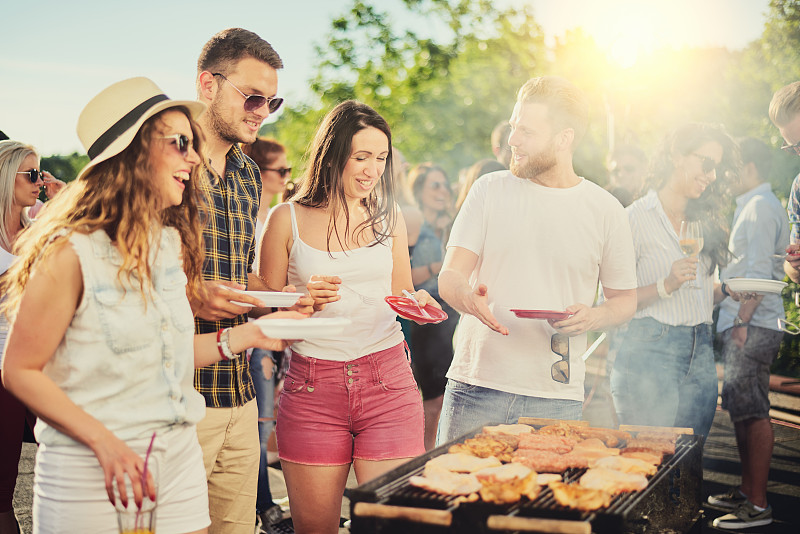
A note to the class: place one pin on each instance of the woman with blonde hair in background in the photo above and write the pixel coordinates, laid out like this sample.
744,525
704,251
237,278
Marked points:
20,184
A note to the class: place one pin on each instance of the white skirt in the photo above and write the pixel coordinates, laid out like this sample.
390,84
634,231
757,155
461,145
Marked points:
70,493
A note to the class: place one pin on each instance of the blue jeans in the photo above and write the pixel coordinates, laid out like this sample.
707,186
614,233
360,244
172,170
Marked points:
665,376
466,407
265,399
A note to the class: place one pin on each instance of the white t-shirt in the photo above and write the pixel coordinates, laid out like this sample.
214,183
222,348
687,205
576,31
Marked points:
538,248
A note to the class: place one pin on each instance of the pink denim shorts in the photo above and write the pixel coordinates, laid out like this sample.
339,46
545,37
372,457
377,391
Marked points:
333,412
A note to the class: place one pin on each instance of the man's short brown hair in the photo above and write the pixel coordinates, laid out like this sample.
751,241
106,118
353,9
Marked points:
567,105
785,104
229,46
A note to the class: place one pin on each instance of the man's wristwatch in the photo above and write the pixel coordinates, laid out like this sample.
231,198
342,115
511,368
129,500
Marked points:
738,321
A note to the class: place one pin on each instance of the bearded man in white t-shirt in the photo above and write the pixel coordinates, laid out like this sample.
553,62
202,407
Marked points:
537,237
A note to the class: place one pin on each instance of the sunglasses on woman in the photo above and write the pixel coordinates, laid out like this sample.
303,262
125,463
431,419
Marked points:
253,102
282,171
708,164
33,175
181,141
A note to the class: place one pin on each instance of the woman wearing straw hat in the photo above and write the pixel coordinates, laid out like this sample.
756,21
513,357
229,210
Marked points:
102,344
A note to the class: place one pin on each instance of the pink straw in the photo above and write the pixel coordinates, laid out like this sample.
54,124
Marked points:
144,482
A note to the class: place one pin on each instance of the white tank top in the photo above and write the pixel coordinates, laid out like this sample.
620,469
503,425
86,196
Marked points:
366,275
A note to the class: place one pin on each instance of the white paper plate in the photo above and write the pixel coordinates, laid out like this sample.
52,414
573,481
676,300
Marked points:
273,299
315,327
754,285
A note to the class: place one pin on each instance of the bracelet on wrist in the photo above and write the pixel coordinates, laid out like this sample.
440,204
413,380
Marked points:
724,289
662,290
224,344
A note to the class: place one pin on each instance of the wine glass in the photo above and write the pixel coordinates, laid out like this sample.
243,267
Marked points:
691,242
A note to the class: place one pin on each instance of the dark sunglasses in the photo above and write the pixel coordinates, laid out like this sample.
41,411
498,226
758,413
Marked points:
630,169
708,164
33,175
559,371
792,149
181,141
439,185
253,102
283,172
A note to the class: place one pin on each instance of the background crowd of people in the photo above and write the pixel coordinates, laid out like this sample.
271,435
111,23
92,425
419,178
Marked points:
150,359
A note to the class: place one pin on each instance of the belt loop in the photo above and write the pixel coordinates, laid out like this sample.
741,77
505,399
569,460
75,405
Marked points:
311,374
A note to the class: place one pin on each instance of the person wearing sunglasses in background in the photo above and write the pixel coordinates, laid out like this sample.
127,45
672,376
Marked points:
751,336
784,112
237,77
110,269
431,345
270,156
664,372
627,167
20,183
535,237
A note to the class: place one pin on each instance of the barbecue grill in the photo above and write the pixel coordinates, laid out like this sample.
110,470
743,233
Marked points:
669,503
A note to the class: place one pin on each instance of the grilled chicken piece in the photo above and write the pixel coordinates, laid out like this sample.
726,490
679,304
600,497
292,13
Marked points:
547,461
505,473
651,457
504,492
544,479
513,430
461,463
579,497
612,481
486,445
626,465
440,480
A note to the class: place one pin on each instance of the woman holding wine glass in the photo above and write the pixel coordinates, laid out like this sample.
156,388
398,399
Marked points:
664,372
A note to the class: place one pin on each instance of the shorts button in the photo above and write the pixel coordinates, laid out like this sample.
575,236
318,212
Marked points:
310,389
349,373
349,380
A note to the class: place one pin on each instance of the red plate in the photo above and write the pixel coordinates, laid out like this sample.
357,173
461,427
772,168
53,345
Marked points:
406,308
542,314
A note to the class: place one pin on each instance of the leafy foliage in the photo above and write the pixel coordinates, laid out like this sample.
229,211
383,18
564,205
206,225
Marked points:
65,168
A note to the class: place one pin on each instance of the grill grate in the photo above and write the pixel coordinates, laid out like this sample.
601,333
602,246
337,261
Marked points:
671,498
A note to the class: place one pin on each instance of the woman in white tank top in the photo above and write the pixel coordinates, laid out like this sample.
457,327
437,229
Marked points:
349,398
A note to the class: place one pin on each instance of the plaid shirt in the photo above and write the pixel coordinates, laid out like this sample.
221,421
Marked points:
230,250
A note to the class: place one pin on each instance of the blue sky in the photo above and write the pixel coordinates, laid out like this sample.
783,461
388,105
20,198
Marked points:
58,54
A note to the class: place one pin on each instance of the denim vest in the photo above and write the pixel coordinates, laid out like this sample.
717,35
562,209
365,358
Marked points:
126,359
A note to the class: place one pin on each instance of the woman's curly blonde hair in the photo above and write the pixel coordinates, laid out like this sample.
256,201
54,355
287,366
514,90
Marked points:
118,196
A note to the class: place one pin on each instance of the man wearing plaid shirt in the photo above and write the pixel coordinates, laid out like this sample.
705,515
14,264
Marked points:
237,78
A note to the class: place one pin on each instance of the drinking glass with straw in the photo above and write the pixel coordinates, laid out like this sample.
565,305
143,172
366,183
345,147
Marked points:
134,519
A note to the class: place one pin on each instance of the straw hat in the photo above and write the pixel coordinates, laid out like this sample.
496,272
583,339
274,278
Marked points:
110,120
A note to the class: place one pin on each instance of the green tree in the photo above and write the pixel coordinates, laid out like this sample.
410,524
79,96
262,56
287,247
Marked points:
441,95
65,168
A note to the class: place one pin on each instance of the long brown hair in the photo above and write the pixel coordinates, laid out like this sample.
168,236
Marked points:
709,209
117,196
322,186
